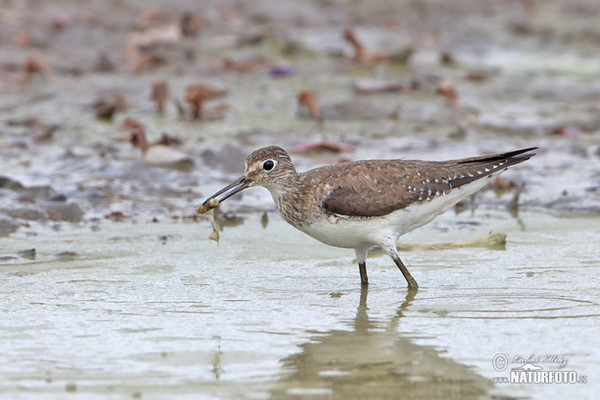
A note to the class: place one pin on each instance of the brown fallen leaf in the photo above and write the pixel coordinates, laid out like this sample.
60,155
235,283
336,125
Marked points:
308,100
196,95
334,147
189,24
251,64
566,131
107,104
167,140
115,216
501,184
360,53
35,65
446,58
447,89
157,154
159,95
130,124
477,76
143,61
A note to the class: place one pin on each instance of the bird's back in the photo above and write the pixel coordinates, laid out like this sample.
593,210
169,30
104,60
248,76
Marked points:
378,187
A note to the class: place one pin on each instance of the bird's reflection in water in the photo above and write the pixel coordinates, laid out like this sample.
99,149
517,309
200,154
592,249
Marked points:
373,361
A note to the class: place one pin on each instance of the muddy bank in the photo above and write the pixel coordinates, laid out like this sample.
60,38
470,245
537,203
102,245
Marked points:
78,90
118,118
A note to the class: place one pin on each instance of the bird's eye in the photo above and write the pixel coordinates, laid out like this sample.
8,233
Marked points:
269,165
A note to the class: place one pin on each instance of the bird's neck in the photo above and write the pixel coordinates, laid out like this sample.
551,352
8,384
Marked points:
289,197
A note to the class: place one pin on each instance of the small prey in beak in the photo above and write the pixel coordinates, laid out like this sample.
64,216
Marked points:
208,206
212,202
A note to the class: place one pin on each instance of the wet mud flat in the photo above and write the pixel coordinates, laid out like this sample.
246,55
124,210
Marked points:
156,310
118,118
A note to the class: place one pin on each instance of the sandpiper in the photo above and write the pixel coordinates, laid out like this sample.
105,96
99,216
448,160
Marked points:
362,204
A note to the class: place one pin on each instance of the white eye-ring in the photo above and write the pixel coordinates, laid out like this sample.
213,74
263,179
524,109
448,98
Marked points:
269,165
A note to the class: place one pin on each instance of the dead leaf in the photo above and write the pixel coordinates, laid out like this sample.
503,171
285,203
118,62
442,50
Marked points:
446,58
115,216
143,61
130,124
36,65
501,184
477,76
196,95
189,24
160,94
167,140
227,64
308,100
107,104
360,53
334,147
447,89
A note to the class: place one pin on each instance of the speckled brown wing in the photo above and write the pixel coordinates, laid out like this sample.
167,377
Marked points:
374,188
379,187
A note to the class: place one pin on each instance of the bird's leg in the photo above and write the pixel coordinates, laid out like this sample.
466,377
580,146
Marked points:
390,248
362,268
361,257
412,284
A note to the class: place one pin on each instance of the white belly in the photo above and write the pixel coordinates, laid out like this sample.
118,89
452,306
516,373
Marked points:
357,232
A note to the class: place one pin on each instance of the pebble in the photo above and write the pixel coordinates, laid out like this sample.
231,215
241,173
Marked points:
7,183
229,157
63,211
66,255
27,253
167,157
58,197
28,213
71,387
7,226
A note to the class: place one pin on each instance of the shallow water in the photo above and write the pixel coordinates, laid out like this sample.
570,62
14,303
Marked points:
157,310
115,306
